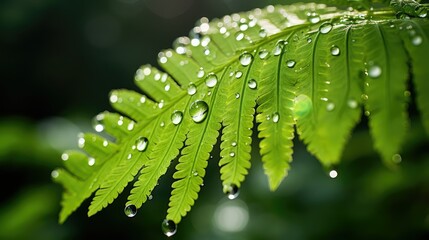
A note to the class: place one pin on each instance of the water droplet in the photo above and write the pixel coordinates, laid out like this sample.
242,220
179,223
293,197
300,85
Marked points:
64,156
105,143
198,111
195,173
141,144
91,161
302,106
262,33
239,36
352,103
169,228
130,126
330,107
232,154
176,117
416,40
397,158
55,174
313,17
200,73
263,54
367,113
374,71
130,210
234,144
231,191
364,97
309,40
276,117
238,74
96,124
129,156
81,141
335,51
325,28
333,174
192,89
120,121
167,87
150,197
211,80
278,48
252,84
290,63
245,59
407,93
237,95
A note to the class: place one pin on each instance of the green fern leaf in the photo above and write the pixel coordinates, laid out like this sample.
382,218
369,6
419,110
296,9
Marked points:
307,66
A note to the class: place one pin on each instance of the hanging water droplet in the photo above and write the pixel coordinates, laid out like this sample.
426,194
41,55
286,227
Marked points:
91,161
333,174
245,59
416,40
211,80
252,84
200,73
120,121
168,227
330,107
397,158
325,28
302,106
192,89
374,71
263,54
309,40
352,103
238,74
198,111
231,190
150,197
290,63
276,117
141,144
176,117
130,210
335,51
262,33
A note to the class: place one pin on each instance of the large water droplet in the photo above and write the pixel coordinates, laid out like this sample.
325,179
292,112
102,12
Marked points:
325,28
313,17
176,117
211,80
130,210
374,71
198,111
416,40
192,89
252,84
276,117
231,191
290,63
169,228
335,51
245,59
141,144
302,106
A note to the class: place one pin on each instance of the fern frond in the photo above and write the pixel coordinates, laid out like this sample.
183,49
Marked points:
304,65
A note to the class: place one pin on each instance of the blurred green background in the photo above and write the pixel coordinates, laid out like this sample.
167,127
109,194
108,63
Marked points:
58,62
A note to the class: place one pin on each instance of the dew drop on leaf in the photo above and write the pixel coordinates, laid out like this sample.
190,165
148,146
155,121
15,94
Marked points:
252,84
262,33
278,48
421,11
211,80
397,158
330,107
234,144
64,156
198,111
313,17
290,63
200,73
231,191
176,117
96,124
169,228
374,71
55,174
335,51
192,89
141,144
325,28
352,103
232,154
416,40
238,74
239,36
333,174
91,161
276,117
245,59
263,54
302,106
130,210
